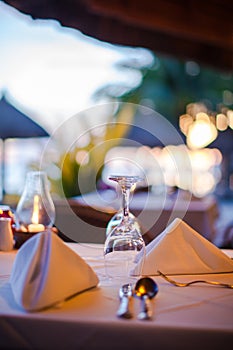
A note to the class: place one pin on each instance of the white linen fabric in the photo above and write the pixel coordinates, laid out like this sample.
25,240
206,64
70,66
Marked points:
179,249
46,271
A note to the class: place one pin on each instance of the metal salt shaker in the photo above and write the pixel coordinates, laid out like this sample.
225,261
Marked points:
6,234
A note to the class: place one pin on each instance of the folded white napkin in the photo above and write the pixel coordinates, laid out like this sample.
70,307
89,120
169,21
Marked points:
179,249
46,271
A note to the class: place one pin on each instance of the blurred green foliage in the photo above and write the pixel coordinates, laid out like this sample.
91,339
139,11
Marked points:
169,84
87,173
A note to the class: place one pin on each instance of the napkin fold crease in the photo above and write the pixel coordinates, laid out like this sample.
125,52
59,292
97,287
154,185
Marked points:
46,271
179,249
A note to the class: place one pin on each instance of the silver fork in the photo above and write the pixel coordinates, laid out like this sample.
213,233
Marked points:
186,284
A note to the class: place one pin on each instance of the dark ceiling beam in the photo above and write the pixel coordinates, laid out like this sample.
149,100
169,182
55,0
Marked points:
198,20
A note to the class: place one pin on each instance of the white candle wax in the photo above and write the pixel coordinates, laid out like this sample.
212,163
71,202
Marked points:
36,228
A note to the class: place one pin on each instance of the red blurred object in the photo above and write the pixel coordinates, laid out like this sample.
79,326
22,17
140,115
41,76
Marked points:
5,212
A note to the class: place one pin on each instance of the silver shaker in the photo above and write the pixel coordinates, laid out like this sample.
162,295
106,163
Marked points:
6,234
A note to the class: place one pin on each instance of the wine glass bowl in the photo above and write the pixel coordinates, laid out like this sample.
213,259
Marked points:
117,218
124,241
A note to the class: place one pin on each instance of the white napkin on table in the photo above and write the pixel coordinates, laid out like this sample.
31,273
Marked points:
179,249
46,271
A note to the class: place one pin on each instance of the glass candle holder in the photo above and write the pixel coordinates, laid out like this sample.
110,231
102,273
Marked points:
35,211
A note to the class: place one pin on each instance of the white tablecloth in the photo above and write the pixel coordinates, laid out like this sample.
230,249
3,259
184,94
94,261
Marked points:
199,316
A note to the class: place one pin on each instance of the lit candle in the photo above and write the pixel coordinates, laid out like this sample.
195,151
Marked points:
35,226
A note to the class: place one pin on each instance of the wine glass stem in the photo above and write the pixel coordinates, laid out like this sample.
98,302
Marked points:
125,202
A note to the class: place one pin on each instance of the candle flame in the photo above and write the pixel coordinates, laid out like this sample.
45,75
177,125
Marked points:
35,214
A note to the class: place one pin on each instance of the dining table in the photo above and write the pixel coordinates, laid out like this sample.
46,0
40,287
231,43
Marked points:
199,316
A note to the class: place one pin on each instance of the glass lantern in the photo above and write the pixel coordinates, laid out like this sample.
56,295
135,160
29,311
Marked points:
35,211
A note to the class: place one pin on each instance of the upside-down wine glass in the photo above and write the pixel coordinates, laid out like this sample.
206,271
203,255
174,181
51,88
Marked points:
124,243
117,218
